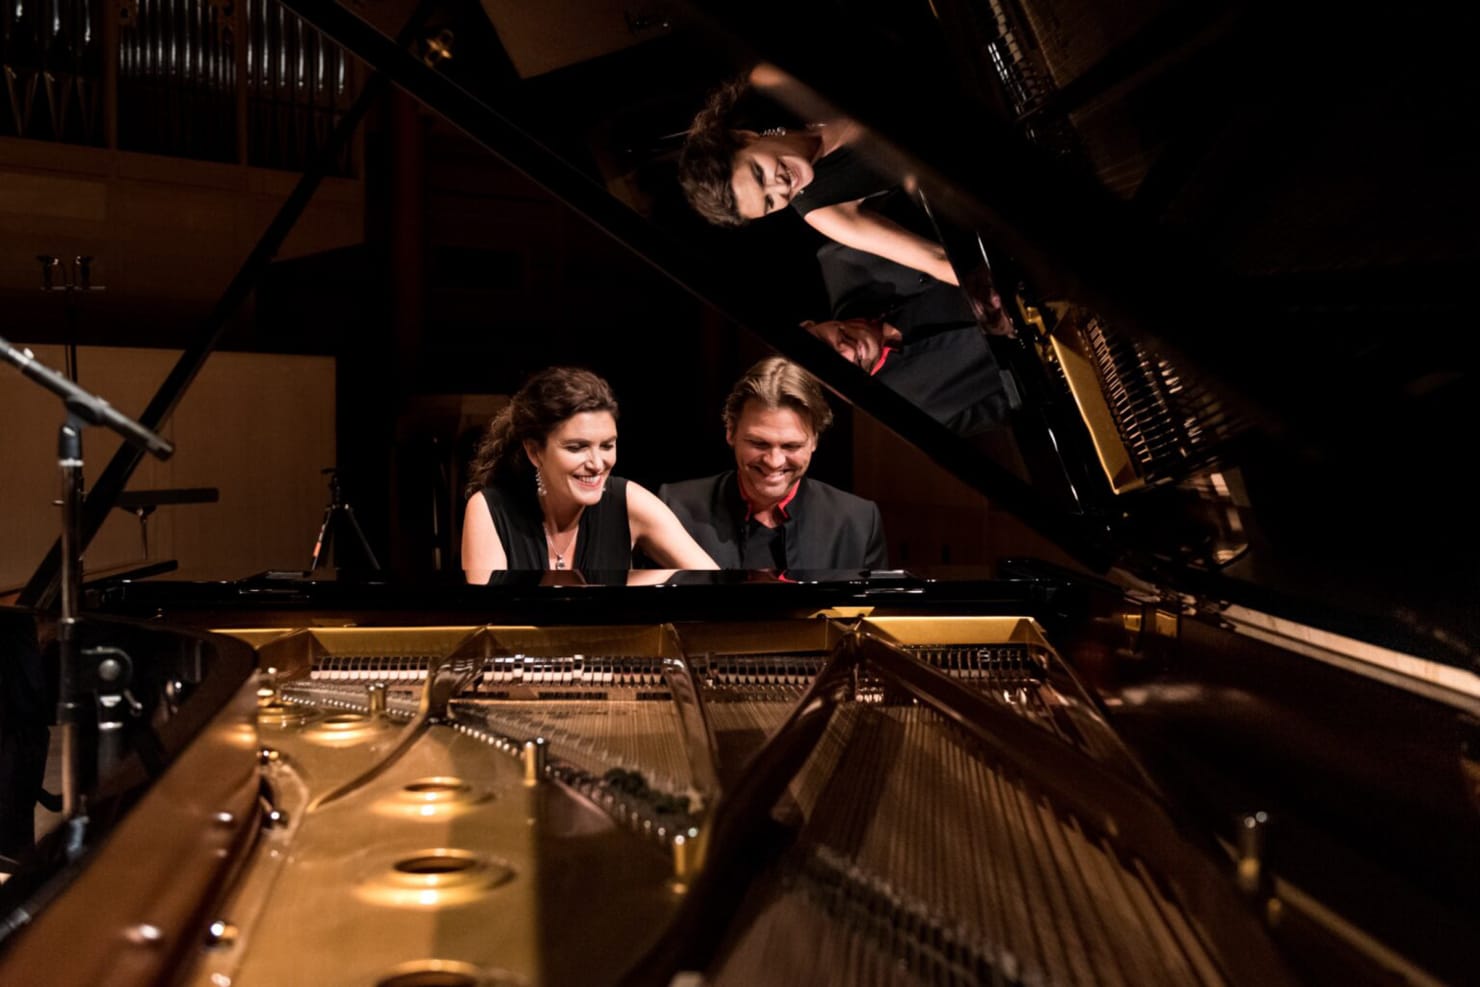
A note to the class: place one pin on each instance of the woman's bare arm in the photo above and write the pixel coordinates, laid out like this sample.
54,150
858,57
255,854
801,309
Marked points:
482,551
659,533
852,226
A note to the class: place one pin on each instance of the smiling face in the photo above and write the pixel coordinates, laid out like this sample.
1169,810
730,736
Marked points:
576,459
773,447
770,170
859,341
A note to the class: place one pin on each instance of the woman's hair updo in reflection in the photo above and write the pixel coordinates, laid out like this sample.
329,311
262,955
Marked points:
707,161
537,409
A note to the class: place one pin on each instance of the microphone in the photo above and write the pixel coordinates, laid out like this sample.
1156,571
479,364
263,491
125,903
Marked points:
84,404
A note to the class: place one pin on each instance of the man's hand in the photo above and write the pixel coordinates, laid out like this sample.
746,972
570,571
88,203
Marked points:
986,304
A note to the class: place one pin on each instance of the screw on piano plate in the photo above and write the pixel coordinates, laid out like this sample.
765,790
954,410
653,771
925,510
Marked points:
145,934
268,755
274,819
221,934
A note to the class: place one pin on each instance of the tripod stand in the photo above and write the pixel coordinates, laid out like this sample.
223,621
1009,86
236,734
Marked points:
336,515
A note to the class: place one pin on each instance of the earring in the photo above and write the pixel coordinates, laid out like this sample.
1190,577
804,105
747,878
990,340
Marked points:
773,131
539,482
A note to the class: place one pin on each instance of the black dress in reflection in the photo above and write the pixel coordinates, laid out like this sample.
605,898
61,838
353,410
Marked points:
844,175
943,363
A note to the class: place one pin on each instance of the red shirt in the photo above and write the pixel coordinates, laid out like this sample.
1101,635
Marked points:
780,504
879,364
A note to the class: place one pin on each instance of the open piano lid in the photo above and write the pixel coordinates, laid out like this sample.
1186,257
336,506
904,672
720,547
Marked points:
1231,241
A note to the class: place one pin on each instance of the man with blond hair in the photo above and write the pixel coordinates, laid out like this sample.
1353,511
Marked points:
767,513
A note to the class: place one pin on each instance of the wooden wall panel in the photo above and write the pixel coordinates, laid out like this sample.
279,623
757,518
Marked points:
167,234
259,427
931,518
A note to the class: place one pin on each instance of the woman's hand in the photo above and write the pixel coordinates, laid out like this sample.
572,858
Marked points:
659,533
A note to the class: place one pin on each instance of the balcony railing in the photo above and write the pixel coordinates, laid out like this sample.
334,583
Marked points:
241,81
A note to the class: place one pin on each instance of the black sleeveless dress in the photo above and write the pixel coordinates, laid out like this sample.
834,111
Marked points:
842,175
847,175
603,539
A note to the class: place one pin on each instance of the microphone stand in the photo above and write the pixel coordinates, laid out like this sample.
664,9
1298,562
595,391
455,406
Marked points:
88,748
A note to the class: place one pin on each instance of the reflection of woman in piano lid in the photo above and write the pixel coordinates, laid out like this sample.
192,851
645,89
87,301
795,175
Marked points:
542,495
732,175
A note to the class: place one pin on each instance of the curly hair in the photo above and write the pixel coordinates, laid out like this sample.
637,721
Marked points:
707,160
776,382
537,409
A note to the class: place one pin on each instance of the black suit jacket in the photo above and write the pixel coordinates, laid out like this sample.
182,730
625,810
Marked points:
944,364
827,528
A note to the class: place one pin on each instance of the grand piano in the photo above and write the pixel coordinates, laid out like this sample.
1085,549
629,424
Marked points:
1228,735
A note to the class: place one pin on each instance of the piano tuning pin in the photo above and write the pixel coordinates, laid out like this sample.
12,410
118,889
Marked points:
535,759
1251,852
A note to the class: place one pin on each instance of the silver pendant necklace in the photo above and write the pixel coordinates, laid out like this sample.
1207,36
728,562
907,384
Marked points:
559,555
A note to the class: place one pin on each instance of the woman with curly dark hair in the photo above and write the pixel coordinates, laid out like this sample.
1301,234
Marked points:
541,494
731,175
